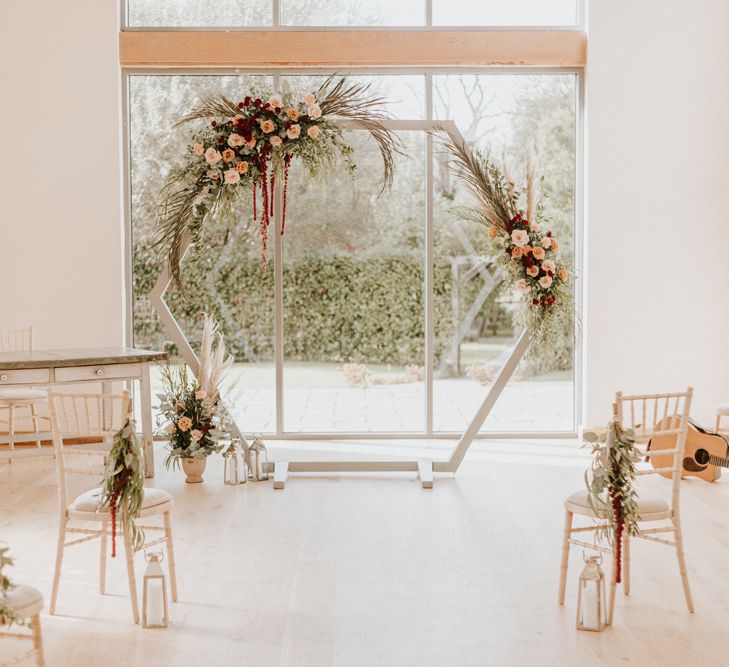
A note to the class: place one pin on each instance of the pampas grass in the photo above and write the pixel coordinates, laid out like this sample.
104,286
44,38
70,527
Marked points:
213,360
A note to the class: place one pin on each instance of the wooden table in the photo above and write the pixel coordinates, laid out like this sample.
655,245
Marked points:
106,364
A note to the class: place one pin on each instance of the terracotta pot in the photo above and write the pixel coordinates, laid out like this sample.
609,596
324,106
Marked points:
194,469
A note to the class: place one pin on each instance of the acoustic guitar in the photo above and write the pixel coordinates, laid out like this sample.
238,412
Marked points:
704,455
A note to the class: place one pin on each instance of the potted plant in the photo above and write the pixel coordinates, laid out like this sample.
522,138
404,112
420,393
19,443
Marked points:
194,425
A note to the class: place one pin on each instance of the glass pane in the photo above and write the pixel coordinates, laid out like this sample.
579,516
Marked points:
353,13
193,13
505,12
225,277
473,329
353,292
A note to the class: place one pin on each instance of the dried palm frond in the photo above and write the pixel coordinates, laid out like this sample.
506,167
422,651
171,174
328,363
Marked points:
531,187
352,101
217,106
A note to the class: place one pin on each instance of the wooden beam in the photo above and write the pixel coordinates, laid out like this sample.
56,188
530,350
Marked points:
341,48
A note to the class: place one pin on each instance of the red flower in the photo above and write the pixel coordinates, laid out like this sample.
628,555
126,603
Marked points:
240,105
535,302
549,233
213,123
247,100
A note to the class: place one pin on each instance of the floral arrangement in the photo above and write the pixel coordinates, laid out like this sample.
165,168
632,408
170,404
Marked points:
195,425
248,145
521,245
613,470
481,373
123,486
7,615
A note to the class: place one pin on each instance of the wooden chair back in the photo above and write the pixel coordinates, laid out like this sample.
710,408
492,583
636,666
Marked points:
17,340
653,417
83,416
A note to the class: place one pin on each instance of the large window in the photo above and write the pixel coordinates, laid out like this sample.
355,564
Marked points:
351,13
375,339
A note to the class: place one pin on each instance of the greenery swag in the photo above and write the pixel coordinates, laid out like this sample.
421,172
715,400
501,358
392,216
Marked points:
613,470
7,615
123,486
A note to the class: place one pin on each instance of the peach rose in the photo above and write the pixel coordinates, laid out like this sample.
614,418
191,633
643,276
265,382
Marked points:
196,435
563,274
539,253
198,149
292,113
213,174
231,176
532,271
275,141
228,155
527,249
521,285
548,265
293,132
170,429
235,140
519,237
492,232
212,156
184,424
314,111
275,101
535,227
517,252
267,126
545,282
241,167
546,242
313,132
200,394
309,100
555,245
251,143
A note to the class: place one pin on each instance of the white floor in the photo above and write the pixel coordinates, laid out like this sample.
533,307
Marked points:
374,570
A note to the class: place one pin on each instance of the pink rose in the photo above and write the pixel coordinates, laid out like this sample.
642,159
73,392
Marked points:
309,100
231,176
212,156
275,101
292,113
275,141
251,143
235,140
545,282
200,394
564,274
184,423
267,126
535,227
313,132
196,435
520,238
555,245
546,242
198,149
548,265
532,271
170,429
293,132
539,253
521,285
314,111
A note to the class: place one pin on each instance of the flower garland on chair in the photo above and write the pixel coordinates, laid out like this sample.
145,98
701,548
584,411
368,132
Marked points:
613,469
7,615
249,145
521,245
123,486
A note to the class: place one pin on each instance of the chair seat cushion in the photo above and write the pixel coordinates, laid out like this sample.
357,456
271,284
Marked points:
19,395
649,506
722,409
25,601
89,501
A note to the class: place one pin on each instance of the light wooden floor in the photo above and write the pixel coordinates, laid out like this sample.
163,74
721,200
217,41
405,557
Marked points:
377,571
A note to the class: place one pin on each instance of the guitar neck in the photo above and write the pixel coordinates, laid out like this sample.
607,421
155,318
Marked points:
719,461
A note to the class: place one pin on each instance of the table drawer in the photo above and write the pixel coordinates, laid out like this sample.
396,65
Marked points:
27,376
98,373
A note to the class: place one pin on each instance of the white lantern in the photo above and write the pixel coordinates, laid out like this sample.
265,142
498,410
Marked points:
235,471
154,599
591,599
258,459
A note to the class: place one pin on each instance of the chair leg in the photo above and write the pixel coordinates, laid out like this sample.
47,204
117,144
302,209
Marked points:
613,588
170,555
35,626
718,423
34,417
59,563
11,429
567,532
626,564
130,575
102,560
682,564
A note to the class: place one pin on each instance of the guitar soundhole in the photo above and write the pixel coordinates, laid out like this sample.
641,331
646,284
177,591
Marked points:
701,457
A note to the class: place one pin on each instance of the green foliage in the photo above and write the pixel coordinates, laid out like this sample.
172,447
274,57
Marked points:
7,615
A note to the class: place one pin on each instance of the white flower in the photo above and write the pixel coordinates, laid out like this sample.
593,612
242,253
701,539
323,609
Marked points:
212,156
275,101
213,174
314,111
235,140
200,394
309,100
231,176
520,238
196,435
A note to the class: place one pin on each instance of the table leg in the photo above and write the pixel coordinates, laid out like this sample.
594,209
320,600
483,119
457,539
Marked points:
145,397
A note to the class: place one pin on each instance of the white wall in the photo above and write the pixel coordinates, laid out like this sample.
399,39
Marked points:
657,313
658,201
60,220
